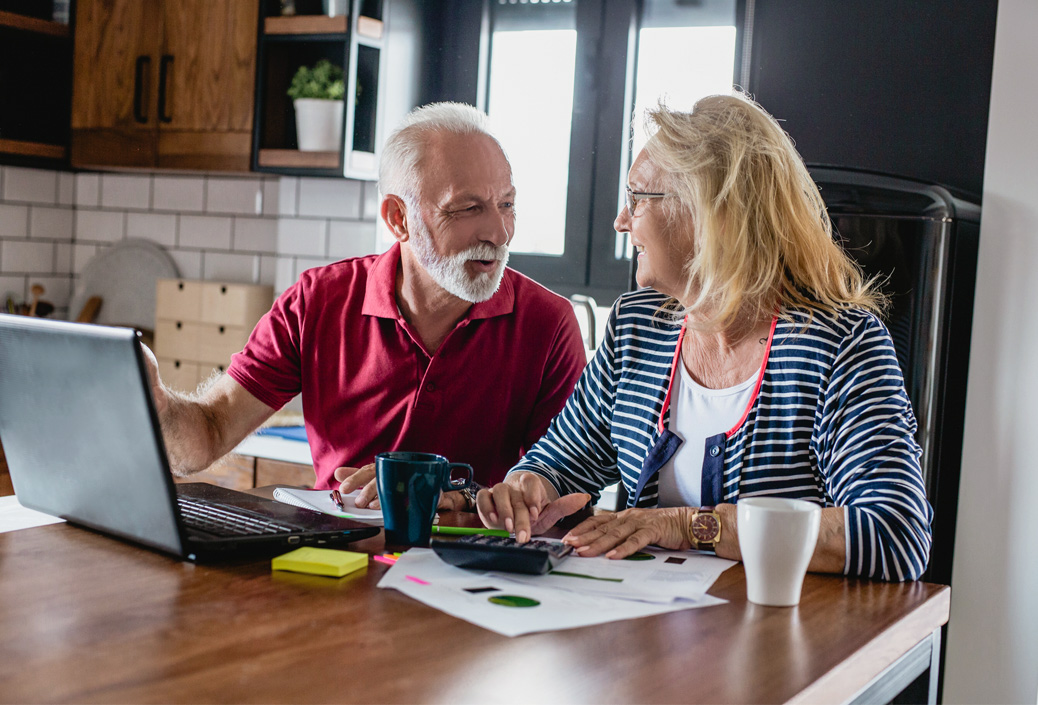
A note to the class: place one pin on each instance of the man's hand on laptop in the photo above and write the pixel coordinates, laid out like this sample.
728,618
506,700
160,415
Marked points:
363,478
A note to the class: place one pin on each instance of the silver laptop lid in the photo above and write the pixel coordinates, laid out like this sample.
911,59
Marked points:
80,432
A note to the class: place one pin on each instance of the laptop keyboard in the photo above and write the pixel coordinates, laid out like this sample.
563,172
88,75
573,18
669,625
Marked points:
224,520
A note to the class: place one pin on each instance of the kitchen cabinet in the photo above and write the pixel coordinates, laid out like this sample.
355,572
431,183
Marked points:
199,325
364,42
164,84
35,89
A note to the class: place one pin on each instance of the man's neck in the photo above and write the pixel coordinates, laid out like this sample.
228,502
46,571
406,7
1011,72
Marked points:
431,311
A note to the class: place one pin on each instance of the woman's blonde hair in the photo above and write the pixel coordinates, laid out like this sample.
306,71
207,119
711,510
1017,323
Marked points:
762,240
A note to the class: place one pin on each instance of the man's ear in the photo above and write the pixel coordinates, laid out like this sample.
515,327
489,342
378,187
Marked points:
394,215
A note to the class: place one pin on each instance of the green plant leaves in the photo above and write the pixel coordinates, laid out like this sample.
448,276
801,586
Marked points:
324,81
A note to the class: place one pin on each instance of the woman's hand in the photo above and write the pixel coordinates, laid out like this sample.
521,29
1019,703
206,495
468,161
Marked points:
525,504
619,534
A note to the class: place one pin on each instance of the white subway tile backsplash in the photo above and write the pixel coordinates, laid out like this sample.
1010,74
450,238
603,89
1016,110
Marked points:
284,274
268,270
350,238
63,257
302,237
157,227
66,188
88,190
30,185
189,264
126,191
184,194
234,196
214,227
372,203
14,221
100,226
81,255
205,232
27,257
218,266
330,198
50,223
11,286
255,235
271,196
288,196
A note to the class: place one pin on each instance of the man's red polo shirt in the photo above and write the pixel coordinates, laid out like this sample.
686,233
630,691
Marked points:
368,385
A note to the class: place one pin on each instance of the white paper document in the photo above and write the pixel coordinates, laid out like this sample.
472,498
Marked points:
510,608
14,516
651,575
321,501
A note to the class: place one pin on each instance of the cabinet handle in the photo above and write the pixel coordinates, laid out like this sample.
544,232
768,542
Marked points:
139,77
165,66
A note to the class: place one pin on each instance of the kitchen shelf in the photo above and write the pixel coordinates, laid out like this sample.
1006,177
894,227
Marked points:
33,24
306,24
295,159
33,149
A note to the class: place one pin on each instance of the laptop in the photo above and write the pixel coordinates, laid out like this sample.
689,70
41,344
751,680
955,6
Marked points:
83,442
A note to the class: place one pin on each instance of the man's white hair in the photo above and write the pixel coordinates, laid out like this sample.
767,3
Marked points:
398,171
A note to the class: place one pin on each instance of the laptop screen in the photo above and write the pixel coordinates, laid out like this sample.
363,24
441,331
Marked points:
79,430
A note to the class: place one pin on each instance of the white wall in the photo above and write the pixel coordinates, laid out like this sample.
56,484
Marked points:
992,650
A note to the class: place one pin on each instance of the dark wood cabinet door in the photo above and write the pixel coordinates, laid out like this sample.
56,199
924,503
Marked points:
207,79
164,83
115,82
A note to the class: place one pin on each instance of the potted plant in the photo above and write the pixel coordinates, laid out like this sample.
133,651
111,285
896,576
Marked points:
317,94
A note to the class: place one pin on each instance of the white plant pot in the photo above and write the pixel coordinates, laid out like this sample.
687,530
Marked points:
319,124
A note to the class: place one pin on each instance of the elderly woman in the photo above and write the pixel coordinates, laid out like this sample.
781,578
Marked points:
754,362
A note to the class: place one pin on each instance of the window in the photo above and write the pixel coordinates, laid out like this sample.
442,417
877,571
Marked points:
567,84
530,100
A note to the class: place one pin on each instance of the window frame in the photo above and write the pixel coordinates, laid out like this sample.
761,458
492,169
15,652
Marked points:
603,104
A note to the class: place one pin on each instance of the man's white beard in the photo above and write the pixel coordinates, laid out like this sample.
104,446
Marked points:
449,270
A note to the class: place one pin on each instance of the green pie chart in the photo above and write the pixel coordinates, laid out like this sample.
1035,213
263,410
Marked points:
513,601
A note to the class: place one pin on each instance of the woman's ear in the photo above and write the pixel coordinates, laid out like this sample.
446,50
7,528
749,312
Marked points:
394,215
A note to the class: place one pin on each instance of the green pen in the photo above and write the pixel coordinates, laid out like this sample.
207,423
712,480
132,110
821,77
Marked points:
467,530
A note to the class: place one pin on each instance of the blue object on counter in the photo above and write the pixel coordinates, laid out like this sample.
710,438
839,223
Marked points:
292,433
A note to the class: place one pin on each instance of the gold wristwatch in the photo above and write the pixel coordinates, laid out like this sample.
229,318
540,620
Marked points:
704,529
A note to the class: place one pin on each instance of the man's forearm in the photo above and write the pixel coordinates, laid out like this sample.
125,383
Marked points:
191,434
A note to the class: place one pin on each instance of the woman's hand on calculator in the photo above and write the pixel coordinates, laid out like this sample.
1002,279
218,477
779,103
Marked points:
526,504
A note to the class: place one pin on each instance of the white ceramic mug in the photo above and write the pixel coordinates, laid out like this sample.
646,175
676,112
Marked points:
777,538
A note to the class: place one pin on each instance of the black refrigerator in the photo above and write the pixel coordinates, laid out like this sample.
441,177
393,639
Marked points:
922,240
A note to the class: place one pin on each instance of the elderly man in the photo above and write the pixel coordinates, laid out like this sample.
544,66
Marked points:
431,346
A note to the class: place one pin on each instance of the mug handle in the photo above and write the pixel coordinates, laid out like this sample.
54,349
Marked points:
450,485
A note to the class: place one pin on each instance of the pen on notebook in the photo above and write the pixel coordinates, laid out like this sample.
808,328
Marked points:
467,530
337,498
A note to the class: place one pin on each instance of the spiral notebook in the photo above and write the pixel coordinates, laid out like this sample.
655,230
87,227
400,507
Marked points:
321,501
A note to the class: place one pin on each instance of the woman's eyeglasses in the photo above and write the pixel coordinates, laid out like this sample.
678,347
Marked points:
632,197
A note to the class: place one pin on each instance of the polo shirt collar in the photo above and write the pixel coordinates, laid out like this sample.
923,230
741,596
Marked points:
380,291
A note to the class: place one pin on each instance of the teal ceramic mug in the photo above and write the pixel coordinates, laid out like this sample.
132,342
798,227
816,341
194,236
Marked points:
409,486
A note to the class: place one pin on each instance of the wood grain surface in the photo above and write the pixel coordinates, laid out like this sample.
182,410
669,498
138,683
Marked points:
84,618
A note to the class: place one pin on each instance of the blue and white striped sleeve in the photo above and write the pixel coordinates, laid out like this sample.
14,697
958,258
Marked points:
577,453
870,460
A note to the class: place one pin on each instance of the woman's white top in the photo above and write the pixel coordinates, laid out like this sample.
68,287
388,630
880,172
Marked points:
697,413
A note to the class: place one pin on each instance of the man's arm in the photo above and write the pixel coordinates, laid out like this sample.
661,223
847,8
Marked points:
200,428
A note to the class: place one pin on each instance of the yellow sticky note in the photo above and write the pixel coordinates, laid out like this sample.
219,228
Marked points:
320,561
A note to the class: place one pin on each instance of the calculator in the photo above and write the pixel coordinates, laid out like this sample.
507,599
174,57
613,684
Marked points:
502,553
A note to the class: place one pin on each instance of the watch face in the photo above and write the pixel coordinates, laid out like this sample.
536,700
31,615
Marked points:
705,528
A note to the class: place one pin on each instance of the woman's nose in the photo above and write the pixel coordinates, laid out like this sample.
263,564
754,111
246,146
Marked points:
622,224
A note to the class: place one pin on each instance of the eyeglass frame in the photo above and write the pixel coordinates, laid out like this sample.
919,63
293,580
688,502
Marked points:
631,198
